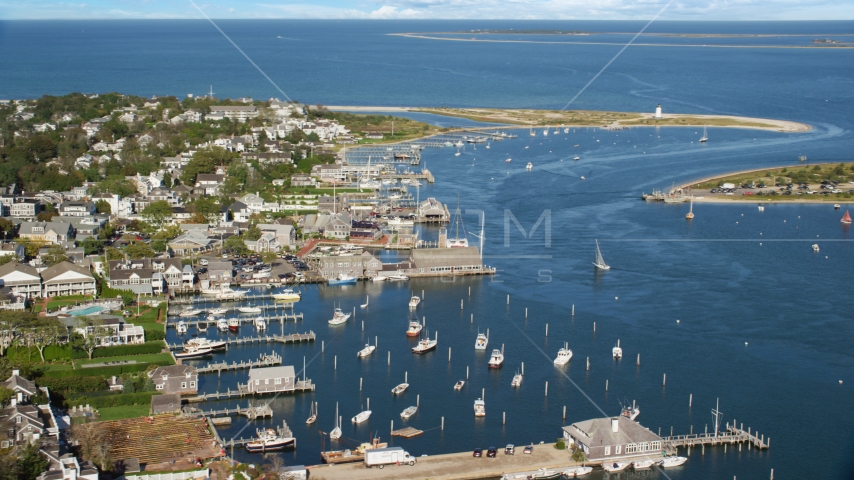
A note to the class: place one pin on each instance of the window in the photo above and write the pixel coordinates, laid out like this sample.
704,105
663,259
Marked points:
278,381
159,386
266,381
655,445
608,450
617,449
183,384
193,385
643,447
257,382
631,448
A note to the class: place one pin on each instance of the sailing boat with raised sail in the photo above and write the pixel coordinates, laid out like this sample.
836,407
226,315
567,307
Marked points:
457,241
600,261
846,219
704,138
690,214
335,434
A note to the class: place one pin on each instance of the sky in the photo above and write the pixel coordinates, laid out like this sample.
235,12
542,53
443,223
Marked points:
433,9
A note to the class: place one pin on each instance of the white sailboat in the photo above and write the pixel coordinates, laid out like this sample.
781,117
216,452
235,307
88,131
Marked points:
690,214
546,132
313,416
457,241
600,261
361,417
704,138
335,434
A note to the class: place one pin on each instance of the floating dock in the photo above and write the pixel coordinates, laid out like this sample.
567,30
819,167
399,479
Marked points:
731,436
407,432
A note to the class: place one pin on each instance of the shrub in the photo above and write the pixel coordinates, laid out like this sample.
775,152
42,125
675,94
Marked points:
154,335
121,350
67,384
560,445
111,400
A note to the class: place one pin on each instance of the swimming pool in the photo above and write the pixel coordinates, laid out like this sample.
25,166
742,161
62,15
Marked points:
86,311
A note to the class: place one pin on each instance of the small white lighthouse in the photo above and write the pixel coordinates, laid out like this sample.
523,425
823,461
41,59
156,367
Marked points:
658,111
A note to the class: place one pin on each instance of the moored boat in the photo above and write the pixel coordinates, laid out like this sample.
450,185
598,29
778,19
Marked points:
218,311
459,385
181,328
496,359
313,416
612,467
222,325
541,474
201,342
249,309
631,412
414,328
361,417
517,380
194,352
563,356
846,219
339,317
529,166
617,352
672,461
400,388
287,294
261,323
573,472
408,412
479,408
425,345
191,312
233,324
642,464
369,349
414,301
481,342
342,280
269,440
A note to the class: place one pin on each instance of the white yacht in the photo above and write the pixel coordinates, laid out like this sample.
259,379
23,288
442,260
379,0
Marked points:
517,380
339,317
414,301
479,408
408,412
399,277
181,327
529,166
218,311
194,352
260,323
222,325
362,416
617,352
414,328
576,158
287,294
563,356
269,440
190,312
201,342
672,461
369,349
249,309
546,132
425,345
481,342
704,138
496,359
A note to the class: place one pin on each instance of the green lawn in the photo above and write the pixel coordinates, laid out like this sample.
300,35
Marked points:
148,320
144,358
70,300
127,411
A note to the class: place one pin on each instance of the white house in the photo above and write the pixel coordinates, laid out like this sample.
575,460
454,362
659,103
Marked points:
23,280
67,279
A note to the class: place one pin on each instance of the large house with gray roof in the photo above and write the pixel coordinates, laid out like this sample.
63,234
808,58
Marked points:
51,232
613,439
23,280
450,261
180,379
65,278
271,379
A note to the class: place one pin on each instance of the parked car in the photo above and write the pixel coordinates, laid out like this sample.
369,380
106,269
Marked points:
478,452
491,452
510,449
529,449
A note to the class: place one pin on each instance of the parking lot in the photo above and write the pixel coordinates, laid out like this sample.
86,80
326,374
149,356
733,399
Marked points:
820,191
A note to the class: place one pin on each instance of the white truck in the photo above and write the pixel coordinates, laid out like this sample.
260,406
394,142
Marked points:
381,457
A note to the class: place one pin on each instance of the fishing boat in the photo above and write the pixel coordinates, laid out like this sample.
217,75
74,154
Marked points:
613,467
414,301
287,294
517,380
339,317
846,219
181,327
342,280
529,166
690,214
496,359
218,311
600,261
269,439
400,388
481,342
414,328
425,345
249,309
563,356
642,464
222,325
194,352
233,324
335,434
576,471
361,417
672,461
479,408
459,385
408,412
617,352
260,323
631,412
312,417
705,137
369,349
190,312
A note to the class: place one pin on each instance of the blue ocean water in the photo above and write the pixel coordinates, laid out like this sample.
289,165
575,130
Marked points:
764,323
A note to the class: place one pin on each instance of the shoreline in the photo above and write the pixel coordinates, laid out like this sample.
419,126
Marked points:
520,118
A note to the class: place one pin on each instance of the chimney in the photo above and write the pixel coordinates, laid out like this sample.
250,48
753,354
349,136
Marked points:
16,372
615,424
114,379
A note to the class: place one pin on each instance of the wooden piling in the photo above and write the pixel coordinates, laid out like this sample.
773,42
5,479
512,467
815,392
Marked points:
564,412
467,372
360,384
547,389
322,346
443,418
418,400
588,364
508,299
503,418
363,325
639,359
389,358
469,295
526,312
472,319
523,368
547,329
335,367
461,304
664,380
690,399
449,354
606,385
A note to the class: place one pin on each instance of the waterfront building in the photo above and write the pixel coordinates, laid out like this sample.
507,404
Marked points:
65,278
446,261
180,379
613,439
271,379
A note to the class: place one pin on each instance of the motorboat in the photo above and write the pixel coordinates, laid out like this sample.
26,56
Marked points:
630,412
576,471
425,345
617,352
369,349
194,352
339,317
496,359
508,160
222,325
815,247
761,208
398,278
599,261
563,356
217,311
191,312
268,440
541,474
287,294
643,464
379,278
481,342
414,301
459,385
529,166
361,417
583,177
201,342
479,408
836,206
612,467
249,309
400,388
260,323
202,326
181,327
226,293
414,329
576,158
233,324
517,380
342,280
408,412
672,461
546,132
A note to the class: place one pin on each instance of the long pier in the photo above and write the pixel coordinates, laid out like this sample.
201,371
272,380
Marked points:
310,336
219,367
248,318
250,412
195,300
731,435
242,391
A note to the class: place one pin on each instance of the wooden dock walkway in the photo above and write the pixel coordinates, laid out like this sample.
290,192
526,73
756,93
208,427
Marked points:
245,318
264,361
407,432
250,412
289,338
242,391
731,436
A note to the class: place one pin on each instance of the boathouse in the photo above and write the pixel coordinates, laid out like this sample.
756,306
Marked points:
617,438
271,379
446,261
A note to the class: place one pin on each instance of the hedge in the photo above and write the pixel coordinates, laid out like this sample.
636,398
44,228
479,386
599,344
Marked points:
154,335
106,371
19,354
114,400
122,350
72,384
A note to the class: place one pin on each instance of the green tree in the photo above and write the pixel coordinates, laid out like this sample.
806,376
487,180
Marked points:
208,207
159,245
6,226
42,147
252,233
268,257
55,254
116,184
205,161
91,246
47,334
139,250
6,396
103,207
235,244
157,213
